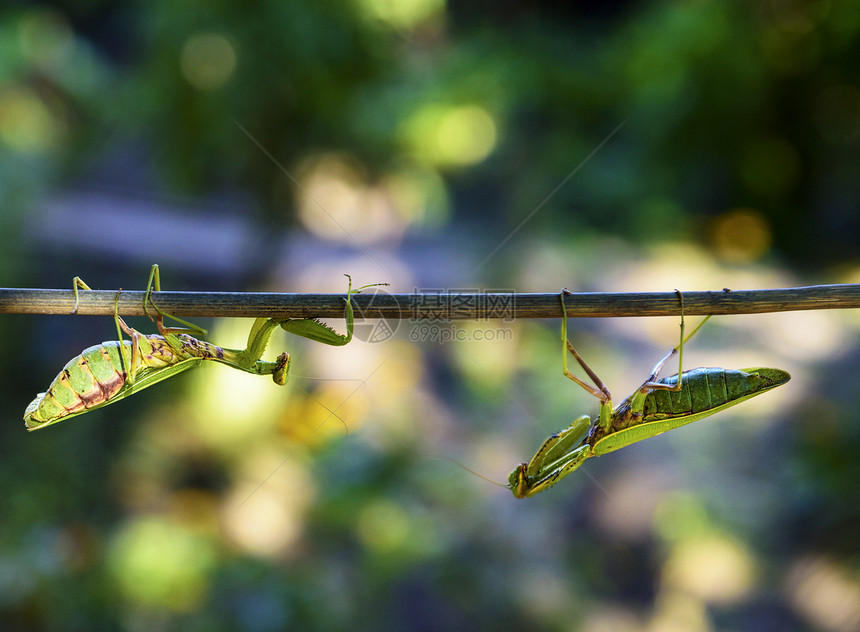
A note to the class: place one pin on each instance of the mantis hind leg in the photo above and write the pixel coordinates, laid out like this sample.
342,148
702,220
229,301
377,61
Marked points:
154,284
78,282
121,326
652,382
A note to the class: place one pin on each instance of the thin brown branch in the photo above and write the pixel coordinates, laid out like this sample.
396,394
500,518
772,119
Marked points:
435,305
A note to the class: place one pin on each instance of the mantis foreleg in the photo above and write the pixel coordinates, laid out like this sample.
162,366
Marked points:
601,392
313,329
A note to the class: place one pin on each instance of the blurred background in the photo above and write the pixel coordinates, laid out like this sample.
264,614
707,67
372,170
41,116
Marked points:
443,147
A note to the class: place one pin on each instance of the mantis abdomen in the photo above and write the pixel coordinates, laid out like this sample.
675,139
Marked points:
703,392
97,376
87,380
706,389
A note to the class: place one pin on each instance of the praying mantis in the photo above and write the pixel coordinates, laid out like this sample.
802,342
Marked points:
656,406
106,373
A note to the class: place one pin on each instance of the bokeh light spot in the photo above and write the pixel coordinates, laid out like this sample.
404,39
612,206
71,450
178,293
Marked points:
404,14
741,235
26,123
264,514
466,135
231,407
677,611
486,351
453,136
680,515
207,61
825,593
261,524
336,202
329,411
714,567
419,195
161,565
383,526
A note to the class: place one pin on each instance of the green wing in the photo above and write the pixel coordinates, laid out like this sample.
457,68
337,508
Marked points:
693,402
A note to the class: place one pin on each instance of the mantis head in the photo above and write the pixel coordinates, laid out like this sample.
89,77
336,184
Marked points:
518,481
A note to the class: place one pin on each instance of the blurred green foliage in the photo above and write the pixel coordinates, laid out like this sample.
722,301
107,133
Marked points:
605,146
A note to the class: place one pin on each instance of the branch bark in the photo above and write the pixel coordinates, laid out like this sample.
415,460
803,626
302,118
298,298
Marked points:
435,305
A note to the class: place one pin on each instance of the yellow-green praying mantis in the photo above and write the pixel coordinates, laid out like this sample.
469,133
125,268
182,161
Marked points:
108,372
655,407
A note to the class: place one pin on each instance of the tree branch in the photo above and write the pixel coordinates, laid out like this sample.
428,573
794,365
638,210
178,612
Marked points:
435,305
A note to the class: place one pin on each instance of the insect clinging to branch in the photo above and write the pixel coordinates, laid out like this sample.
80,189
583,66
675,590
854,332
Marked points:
110,371
656,406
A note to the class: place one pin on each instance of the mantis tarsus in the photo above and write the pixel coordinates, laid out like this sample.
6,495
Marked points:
655,407
108,372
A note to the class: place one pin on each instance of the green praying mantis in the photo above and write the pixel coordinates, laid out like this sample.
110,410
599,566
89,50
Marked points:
108,372
113,370
656,406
